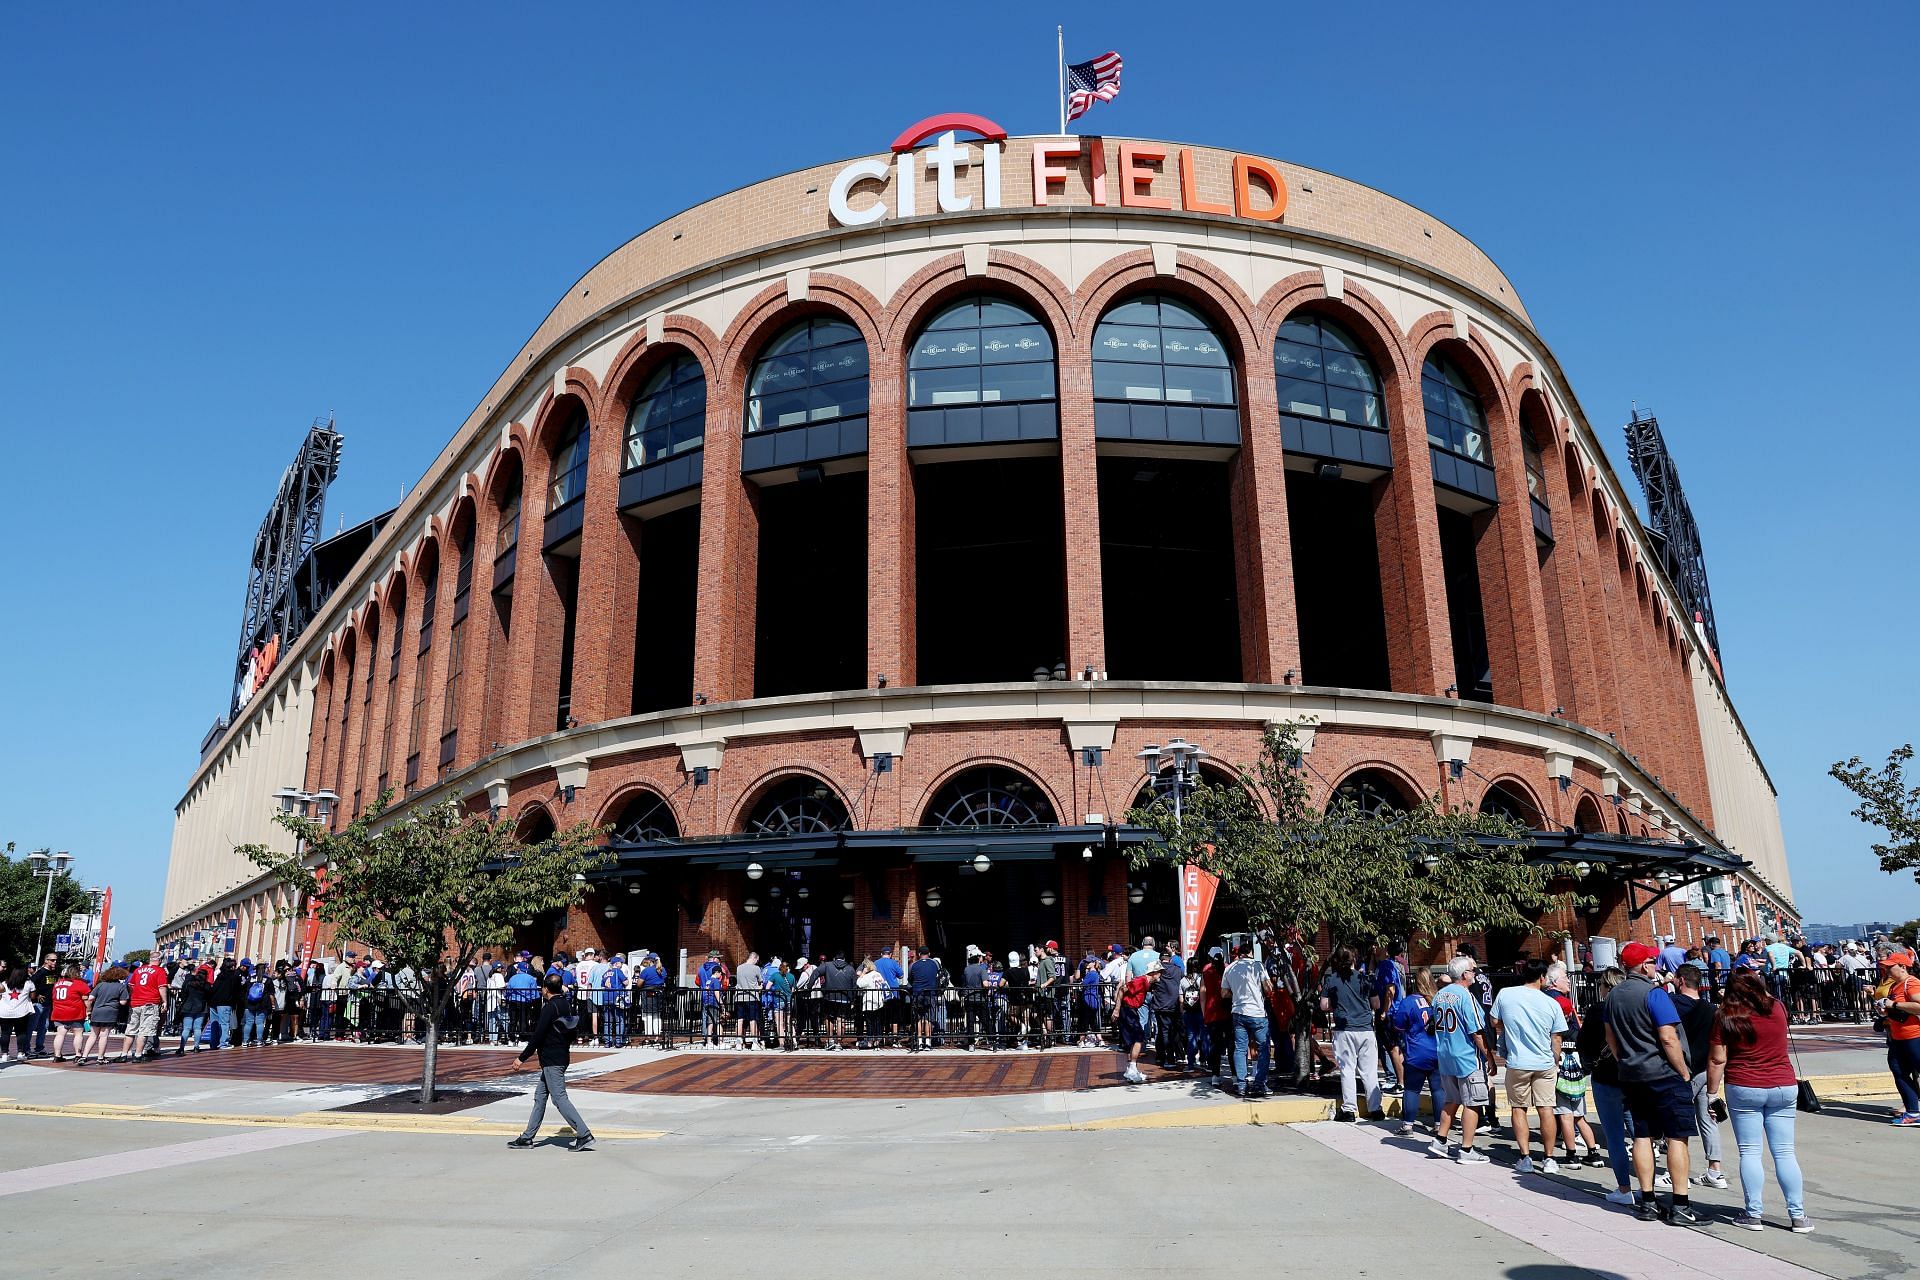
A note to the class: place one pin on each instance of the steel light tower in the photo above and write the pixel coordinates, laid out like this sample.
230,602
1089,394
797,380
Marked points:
52,866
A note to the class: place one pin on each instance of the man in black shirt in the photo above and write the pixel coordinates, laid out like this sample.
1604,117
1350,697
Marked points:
1697,1012
42,979
552,1042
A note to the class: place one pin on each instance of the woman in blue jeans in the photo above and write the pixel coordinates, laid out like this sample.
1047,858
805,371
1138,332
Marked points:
1750,1058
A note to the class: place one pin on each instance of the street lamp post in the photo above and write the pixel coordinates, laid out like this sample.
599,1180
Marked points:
52,866
317,805
1179,777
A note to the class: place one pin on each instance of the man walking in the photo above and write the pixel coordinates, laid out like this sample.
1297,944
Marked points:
1643,1030
1528,1024
552,1045
1460,1046
1697,1014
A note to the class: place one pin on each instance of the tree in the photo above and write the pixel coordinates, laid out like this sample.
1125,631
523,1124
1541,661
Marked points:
22,895
138,957
435,884
1887,802
1908,934
1367,876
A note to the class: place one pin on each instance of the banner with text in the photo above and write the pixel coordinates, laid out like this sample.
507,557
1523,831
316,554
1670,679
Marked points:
1197,887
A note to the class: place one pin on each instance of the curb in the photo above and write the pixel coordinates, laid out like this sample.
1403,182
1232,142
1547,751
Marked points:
306,1120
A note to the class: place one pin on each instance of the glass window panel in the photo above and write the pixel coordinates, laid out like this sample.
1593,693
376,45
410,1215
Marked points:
827,332
962,315
1334,338
1474,445
1296,360
1126,342
1465,409
946,349
1112,381
1198,385
690,397
1187,347
1301,329
1433,394
1177,315
1349,370
1139,311
794,339
835,363
1359,407
778,374
1297,395
839,400
929,388
1018,381
1025,342
994,312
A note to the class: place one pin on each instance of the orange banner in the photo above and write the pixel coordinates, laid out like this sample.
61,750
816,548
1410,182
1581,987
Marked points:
312,936
1197,887
106,917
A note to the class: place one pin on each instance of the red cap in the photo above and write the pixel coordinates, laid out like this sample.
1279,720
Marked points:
1897,957
1053,946
1635,954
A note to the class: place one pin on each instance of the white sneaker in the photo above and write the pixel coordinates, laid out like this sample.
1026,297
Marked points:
1437,1147
1469,1156
1549,1165
1711,1178
1523,1165
1661,1182
1405,1129
1620,1197
1135,1076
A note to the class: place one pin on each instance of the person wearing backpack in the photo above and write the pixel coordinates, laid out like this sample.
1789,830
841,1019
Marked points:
259,1003
1193,1017
1411,1018
196,997
551,1046
229,992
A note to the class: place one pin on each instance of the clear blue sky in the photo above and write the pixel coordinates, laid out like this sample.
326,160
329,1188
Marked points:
220,222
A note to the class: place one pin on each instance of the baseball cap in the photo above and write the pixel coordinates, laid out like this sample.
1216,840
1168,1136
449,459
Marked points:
1635,954
1115,949
1052,945
1898,957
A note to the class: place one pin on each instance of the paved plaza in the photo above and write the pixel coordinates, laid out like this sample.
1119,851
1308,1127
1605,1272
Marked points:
940,1164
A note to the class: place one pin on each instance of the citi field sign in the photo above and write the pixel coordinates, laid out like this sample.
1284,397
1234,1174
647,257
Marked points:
860,192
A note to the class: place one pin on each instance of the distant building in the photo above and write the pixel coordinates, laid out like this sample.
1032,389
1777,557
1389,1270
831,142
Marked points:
1822,934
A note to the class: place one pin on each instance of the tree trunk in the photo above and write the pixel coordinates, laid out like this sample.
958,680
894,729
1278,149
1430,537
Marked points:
433,1041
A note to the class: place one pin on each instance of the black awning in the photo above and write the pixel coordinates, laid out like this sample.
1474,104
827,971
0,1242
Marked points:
832,848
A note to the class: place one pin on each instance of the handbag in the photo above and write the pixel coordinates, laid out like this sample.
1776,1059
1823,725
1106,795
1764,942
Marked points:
1805,1099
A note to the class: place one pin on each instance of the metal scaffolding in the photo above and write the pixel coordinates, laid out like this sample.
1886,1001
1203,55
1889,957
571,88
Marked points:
1670,522
283,581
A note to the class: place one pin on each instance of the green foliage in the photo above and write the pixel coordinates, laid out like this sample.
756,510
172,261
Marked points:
1908,934
1887,801
436,884
1390,875
21,896
139,957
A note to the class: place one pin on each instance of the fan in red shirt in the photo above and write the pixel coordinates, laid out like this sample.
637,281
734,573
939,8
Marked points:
148,983
69,1010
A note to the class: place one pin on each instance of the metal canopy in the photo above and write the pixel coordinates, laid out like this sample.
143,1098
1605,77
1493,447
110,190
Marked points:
833,848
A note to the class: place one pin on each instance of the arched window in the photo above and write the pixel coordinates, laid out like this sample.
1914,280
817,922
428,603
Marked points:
1158,350
814,372
797,806
1323,373
981,351
536,827
645,819
1508,801
669,416
1455,420
1373,791
989,797
507,536
569,465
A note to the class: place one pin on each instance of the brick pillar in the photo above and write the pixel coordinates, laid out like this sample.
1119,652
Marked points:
1263,547
436,670
1413,581
531,589
410,672
609,586
319,731
891,533
1573,657
1610,602
346,710
1080,498
1602,710
1510,590
727,594
484,650
380,733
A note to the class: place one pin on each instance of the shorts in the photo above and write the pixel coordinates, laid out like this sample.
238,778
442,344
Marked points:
1530,1090
1570,1104
78,1024
1468,1091
923,1004
747,1011
144,1021
1661,1108
1131,1032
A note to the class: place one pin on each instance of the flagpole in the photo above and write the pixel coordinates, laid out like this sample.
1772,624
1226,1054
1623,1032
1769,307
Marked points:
1060,39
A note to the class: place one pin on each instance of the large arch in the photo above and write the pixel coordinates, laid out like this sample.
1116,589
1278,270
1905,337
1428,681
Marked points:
989,795
793,802
1511,798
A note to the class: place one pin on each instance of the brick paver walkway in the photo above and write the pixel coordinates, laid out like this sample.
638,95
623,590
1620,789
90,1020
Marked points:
861,1075
322,1064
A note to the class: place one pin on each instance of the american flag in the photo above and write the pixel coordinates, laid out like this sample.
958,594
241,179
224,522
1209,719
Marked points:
1086,81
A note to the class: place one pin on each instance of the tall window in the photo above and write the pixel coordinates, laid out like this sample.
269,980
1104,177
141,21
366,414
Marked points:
366,717
669,416
422,669
456,652
1455,420
1536,469
1322,372
346,705
981,351
390,725
569,465
814,372
508,535
1159,350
